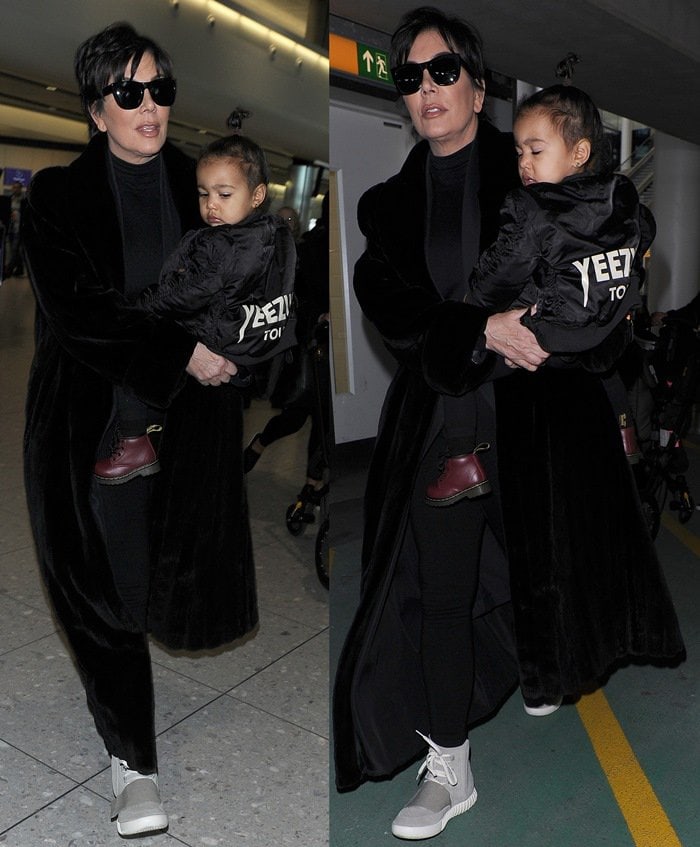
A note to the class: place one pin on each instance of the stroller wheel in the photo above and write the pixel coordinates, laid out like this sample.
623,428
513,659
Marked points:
295,519
684,515
684,503
651,513
323,554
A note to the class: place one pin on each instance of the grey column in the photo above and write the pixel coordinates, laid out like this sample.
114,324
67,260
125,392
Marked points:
674,269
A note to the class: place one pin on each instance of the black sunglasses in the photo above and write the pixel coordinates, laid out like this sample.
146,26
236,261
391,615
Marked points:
129,94
443,68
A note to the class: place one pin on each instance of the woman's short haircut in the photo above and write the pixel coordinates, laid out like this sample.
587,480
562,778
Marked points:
574,116
460,37
105,57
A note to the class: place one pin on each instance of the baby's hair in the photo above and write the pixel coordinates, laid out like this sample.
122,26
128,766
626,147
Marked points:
246,152
575,116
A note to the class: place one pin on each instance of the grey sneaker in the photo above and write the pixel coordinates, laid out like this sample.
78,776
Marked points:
136,805
447,790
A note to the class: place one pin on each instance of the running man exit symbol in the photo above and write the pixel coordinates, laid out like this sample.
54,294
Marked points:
373,63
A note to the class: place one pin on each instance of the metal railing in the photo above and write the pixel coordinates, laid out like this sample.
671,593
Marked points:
640,168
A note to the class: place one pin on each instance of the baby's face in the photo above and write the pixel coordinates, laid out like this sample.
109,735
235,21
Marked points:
224,194
543,155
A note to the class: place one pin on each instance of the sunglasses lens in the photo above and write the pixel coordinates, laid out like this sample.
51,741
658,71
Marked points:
163,91
444,70
407,78
128,94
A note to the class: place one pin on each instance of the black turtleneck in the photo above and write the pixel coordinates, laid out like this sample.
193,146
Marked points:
453,231
149,221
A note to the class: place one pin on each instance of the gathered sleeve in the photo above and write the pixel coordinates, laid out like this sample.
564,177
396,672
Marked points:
504,269
232,287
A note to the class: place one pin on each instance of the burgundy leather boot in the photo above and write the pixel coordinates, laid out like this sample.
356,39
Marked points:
462,476
130,457
629,441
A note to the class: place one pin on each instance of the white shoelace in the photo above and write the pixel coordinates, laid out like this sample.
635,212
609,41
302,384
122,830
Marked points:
437,764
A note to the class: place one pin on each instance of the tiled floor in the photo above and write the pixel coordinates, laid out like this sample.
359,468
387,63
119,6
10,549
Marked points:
243,731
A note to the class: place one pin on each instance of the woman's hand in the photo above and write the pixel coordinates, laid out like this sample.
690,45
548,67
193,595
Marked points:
209,368
506,336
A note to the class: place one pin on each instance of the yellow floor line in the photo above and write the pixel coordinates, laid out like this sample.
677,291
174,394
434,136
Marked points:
644,815
684,535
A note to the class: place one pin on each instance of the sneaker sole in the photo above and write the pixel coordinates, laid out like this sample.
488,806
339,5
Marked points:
543,710
149,823
415,833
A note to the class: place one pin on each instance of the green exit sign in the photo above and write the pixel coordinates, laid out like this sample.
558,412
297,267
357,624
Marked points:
373,63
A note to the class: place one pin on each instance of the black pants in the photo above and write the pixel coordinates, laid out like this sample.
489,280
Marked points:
449,546
315,404
125,512
125,681
133,415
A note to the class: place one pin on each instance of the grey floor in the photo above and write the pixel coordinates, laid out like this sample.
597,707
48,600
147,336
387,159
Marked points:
243,732
539,781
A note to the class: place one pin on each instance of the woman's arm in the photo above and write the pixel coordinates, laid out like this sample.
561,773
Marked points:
395,294
92,321
447,340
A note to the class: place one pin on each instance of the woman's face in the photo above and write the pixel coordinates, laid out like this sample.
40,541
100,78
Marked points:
445,115
134,135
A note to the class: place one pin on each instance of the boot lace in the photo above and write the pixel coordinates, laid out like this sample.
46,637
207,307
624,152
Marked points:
437,764
116,447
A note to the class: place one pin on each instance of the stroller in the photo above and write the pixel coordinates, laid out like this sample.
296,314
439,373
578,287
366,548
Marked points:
663,392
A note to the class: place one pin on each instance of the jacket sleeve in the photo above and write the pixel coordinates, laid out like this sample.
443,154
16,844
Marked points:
231,290
92,322
425,333
192,278
504,269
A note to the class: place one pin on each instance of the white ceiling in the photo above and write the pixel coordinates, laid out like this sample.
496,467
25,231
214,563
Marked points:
640,58
253,55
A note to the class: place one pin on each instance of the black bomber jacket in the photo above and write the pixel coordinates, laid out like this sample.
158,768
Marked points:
232,287
574,248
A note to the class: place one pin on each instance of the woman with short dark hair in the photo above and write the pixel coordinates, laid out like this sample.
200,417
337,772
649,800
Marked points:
167,554
431,650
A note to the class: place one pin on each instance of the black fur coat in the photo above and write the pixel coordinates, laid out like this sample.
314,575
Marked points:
88,338
586,586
